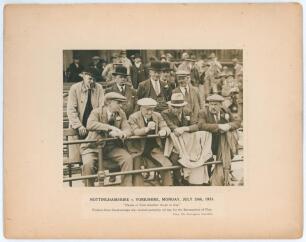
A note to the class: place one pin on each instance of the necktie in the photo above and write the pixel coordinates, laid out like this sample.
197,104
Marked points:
186,91
111,121
88,109
156,88
216,118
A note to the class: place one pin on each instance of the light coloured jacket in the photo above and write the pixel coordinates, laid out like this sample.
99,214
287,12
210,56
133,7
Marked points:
136,121
77,99
98,127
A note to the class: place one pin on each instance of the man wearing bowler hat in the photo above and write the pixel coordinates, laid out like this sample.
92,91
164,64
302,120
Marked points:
220,123
148,152
155,88
104,122
166,76
83,97
124,87
179,120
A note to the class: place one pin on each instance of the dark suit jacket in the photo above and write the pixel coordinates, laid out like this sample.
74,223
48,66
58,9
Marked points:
207,123
144,89
138,75
130,93
174,122
73,73
193,99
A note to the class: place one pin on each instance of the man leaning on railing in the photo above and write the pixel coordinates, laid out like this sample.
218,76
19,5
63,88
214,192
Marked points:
108,121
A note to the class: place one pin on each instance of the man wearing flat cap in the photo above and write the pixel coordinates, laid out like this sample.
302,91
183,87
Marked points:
155,88
83,97
104,122
190,93
148,152
220,123
124,87
179,120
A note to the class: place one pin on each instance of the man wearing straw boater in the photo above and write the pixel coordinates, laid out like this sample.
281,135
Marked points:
179,120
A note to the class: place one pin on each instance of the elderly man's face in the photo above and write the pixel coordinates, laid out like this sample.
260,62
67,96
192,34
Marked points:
177,110
88,80
182,81
146,111
120,79
155,75
114,105
214,107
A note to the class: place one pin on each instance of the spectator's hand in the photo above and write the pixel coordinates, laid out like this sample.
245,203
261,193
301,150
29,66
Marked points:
113,128
179,131
82,131
151,125
123,135
115,133
224,127
162,133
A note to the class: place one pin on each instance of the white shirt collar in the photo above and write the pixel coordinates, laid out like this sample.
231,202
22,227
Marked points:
183,89
109,114
120,87
153,82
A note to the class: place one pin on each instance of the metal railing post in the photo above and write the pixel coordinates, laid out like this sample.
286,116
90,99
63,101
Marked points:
100,163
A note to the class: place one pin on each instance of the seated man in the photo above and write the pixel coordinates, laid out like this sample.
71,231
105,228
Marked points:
108,121
148,151
179,120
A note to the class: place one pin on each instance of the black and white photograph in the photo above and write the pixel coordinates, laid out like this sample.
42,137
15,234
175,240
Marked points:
153,117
